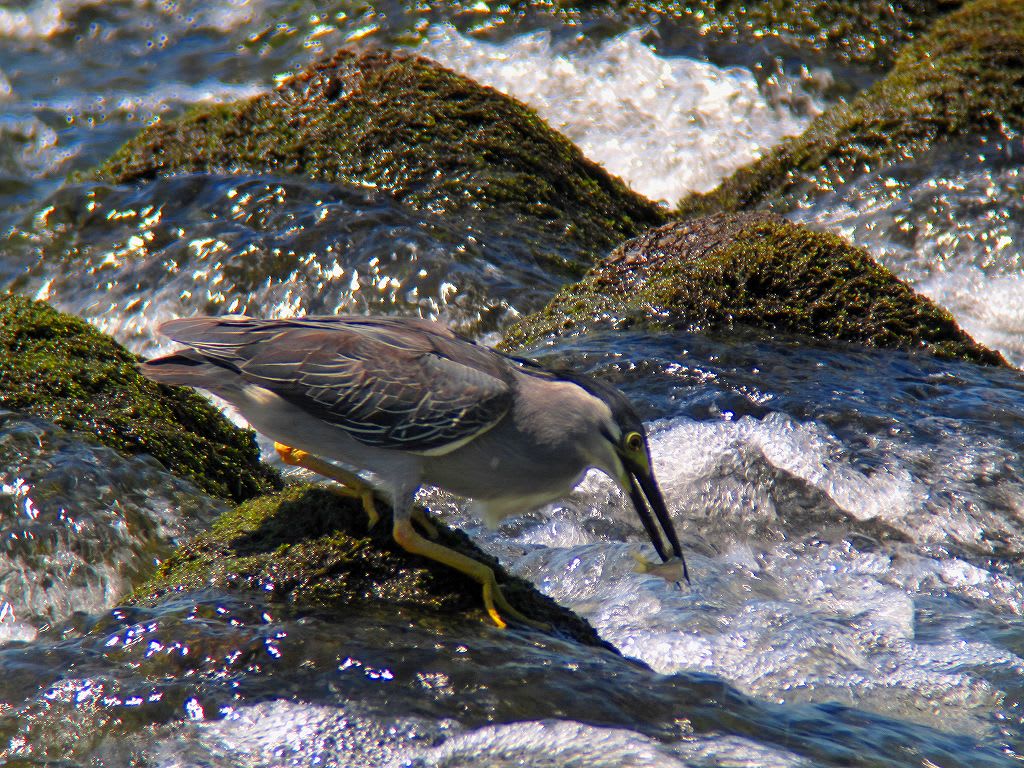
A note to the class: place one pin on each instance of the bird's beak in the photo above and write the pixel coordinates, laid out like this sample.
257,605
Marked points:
646,496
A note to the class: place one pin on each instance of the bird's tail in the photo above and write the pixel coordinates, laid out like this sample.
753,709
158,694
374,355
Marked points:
190,369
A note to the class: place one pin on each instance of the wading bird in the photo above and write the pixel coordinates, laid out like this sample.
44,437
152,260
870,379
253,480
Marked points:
416,404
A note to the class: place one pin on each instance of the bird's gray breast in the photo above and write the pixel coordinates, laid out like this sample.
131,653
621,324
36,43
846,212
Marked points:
539,451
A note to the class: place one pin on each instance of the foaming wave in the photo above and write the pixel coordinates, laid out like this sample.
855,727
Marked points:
950,223
78,522
718,465
29,146
800,622
811,565
289,733
555,743
667,125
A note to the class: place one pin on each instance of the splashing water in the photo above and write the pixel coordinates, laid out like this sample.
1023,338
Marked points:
846,542
79,522
204,244
951,224
666,125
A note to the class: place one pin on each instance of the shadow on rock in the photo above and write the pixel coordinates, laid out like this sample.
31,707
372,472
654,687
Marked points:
310,547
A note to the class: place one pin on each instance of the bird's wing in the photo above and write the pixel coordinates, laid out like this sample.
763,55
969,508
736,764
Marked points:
390,383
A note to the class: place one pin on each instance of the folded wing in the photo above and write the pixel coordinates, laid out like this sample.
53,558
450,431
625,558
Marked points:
390,383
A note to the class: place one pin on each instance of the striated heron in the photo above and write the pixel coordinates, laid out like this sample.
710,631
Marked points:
416,404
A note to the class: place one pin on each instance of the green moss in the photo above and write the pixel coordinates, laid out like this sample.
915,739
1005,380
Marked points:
756,270
434,139
965,77
59,367
310,547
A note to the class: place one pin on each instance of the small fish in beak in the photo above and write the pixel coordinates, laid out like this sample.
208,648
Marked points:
671,570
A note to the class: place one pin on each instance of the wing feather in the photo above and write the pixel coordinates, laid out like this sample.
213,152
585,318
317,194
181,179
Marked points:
389,382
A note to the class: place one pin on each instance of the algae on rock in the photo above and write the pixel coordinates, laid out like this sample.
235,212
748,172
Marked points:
755,270
310,547
964,77
59,367
434,139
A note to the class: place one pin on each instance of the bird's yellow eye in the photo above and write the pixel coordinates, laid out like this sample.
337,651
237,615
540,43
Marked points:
634,442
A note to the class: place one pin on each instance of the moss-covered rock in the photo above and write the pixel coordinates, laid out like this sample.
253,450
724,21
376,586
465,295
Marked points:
756,270
436,140
964,77
310,547
863,32
59,367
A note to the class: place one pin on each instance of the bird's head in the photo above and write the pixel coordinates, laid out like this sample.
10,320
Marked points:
626,457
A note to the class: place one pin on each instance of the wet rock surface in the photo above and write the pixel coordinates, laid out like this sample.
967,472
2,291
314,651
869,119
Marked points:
961,78
435,140
60,368
80,523
752,270
310,547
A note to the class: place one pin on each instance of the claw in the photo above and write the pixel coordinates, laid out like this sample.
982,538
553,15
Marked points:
495,602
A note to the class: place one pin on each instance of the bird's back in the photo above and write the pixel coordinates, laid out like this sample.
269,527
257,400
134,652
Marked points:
404,383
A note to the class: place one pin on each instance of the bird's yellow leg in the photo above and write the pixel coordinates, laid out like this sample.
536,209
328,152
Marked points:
420,518
494,600
351,484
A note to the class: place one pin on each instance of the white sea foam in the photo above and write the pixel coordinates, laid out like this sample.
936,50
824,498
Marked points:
556,743
666,125
782,604
30,146
41,19
952,224
283,733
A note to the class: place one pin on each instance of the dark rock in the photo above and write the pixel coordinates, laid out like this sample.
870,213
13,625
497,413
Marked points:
60,368
309,547
755,270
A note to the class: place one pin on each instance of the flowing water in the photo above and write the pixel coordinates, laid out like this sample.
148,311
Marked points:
951,224
854,520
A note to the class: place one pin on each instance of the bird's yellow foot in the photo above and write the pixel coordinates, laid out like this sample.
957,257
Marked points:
494,600
351,485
